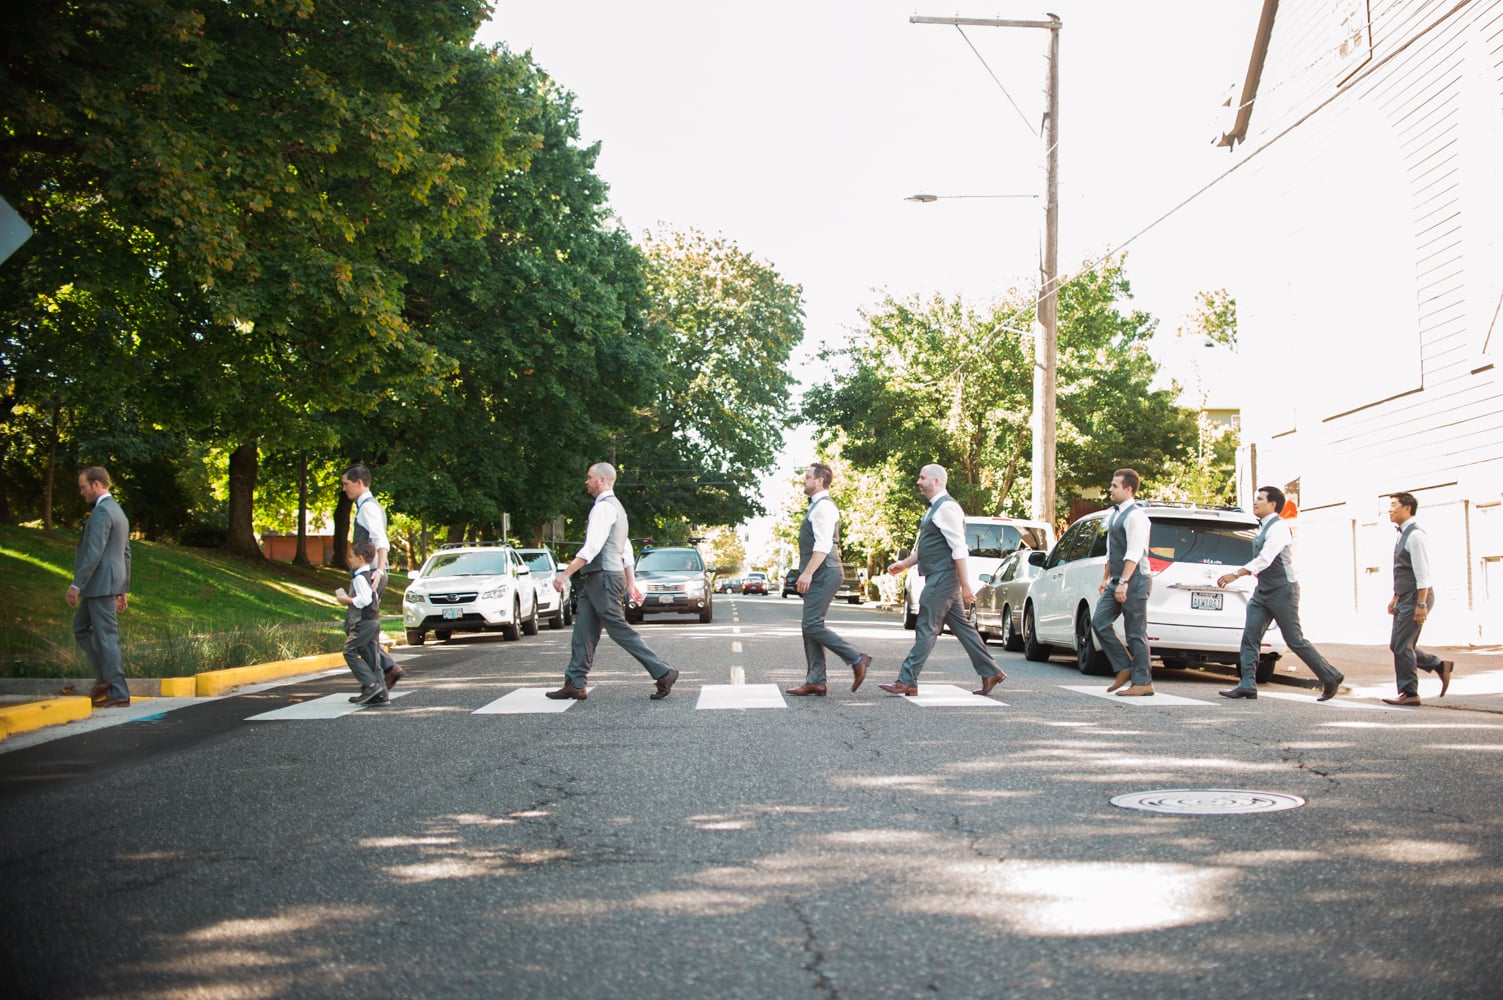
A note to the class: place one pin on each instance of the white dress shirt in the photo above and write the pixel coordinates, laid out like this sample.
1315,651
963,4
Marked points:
370,516
1278,538
598,528
1418,545
822,518
1137,528
950,520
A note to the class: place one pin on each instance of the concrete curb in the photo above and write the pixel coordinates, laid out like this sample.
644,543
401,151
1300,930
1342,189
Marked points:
219,681
32,715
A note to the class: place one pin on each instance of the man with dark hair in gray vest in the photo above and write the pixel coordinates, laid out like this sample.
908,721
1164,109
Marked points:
820,575
370,526
604,565
101,579
1124,589
1276,598
940,554
1413,597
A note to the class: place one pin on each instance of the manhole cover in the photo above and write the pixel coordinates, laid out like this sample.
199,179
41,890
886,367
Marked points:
1207,801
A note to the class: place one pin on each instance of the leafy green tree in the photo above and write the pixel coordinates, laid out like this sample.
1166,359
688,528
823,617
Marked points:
729,324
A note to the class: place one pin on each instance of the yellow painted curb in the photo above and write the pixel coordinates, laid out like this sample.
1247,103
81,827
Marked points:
219,681
40,714
179,687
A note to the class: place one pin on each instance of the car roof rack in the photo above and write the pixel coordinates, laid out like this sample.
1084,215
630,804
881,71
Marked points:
472,545
1192,505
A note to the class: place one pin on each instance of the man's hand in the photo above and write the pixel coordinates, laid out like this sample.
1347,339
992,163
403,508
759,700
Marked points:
558,582
897,567
636,594
1102,589
121,603
1225,578
1421,612
804,580
72,597
1393,602
966,597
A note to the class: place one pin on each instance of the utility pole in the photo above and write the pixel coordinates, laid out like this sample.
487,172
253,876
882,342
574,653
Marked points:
1046,344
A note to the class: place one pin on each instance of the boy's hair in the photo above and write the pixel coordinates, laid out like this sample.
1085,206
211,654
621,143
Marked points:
364,549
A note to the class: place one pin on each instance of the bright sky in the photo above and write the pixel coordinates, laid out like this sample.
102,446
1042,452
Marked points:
796,128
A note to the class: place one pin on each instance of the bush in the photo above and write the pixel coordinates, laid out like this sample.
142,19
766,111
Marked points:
202,535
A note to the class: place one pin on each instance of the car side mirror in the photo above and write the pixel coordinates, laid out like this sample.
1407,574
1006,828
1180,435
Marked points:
985,578
524,571
1037,558
712,570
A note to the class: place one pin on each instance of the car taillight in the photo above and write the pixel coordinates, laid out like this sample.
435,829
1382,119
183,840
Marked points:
1157,565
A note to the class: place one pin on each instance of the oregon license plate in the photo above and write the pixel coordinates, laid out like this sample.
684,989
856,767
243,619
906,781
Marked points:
453,612
1202,600
665,598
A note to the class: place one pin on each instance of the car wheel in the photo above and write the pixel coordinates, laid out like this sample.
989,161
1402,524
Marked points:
1011,641
975,622
707,614
910,613
1267,664
1032,648
1088,658
442,635
513,632
853,599
415,637
530,626
557,621
633,618
569,612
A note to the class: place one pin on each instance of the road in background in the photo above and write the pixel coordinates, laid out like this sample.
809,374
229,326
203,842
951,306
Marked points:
860,845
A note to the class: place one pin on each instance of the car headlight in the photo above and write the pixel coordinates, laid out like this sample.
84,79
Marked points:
494,593
694,589
414,597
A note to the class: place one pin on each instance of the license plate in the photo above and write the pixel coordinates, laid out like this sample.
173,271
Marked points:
1201,600
453,612
665,599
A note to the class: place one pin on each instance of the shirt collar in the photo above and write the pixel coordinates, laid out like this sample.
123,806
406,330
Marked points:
603,494
106,494
819,496
1268,517
936,498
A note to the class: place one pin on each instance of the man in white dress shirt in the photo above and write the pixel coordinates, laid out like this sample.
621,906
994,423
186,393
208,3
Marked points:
604,565
1124,589
820,576
370,526
1413,597
1275,599
940,554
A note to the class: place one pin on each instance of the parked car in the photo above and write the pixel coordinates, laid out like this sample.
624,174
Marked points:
673,581
988,539
998,612
728,585
471,587
790,583
755,583
851,588
1190,619
556,607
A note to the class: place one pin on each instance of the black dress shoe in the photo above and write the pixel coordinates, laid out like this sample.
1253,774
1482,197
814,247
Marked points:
1446,666
1329,688
665,684
1240,692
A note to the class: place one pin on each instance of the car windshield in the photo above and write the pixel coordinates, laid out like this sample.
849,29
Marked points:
757,576
993,541
468,564
670,561
539,561
1195,541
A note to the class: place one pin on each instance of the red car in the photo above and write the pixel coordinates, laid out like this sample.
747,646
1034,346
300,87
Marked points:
755,583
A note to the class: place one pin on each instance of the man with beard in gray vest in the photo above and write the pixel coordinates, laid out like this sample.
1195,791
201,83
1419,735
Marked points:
604,565
370,526
940,554
1413,597
820,575
1124,589
1275,599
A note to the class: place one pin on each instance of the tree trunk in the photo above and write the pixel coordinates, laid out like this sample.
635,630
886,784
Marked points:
341,556
244,464
49,481
456,532
300,558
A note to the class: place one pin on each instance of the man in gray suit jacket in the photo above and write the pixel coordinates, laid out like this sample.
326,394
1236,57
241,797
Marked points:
101,579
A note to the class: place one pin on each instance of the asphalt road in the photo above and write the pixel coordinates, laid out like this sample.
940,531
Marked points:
860,845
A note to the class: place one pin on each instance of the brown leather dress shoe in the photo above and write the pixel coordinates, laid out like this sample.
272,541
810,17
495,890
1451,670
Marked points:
1136,691
98,691
898,687
807,689
1403,699
1123,676
859,669
1446,666
987,683
112,703
392,676
665,684
567,691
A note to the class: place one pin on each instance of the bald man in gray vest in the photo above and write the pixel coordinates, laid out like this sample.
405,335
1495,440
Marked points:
604,565
940,554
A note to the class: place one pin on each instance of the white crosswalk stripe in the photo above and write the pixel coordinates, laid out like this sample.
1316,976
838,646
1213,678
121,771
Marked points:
740,696
1148,701
526,701
330,706
950,696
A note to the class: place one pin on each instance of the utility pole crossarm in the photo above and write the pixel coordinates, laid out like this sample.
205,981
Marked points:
987,22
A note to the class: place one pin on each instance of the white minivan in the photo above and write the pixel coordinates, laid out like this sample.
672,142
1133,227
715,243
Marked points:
988,539
1190,619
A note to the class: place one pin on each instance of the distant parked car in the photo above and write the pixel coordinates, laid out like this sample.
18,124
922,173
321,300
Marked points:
790,583
471,588
727,584
987,539
1190,619
998,613
673,581
755,583
556,607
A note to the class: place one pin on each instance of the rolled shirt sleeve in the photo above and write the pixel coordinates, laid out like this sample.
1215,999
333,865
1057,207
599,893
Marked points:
1418,545
822,518
370,516
1137,528
950,520
1278,539
598,527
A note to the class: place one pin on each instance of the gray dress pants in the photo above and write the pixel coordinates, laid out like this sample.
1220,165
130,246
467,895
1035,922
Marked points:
97,630
818,636
1280,605
1134,615
600,606
940,605
1403,642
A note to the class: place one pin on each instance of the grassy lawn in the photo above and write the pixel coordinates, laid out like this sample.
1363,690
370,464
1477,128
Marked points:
190,609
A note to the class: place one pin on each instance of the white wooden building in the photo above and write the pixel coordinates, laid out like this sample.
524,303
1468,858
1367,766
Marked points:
1361,231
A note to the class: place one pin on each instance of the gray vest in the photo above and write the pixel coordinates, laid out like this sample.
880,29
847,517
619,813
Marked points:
1403,566
806,540
612,551
1116,541
934,556
1277,573
362,534
371,611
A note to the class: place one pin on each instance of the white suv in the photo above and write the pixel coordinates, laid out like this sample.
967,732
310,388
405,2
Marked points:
1190,619
477,587
553,605
988,539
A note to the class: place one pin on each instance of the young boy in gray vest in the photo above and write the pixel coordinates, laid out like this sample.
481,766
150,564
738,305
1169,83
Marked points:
362,628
